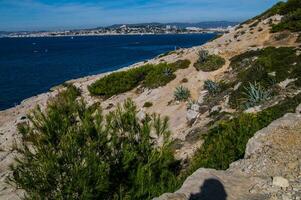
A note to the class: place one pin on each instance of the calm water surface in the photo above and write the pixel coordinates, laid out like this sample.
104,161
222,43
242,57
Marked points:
30,66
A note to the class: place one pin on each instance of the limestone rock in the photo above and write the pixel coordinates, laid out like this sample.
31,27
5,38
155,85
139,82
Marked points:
202,96
215,109
237,86
141,115
191,116
253,109
285,83
195,107
280,182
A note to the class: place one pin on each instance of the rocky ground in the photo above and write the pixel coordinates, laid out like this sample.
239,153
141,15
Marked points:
270,170
239,183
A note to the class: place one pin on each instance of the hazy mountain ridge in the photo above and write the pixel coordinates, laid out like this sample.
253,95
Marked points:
209,24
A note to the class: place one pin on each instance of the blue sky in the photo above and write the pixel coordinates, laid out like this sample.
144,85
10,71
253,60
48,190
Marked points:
68,14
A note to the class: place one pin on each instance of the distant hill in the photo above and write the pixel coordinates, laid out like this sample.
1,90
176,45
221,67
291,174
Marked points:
209,24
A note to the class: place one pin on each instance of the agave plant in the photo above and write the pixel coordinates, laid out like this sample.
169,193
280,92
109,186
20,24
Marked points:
203,55
181,93
167,71
212,87
255,94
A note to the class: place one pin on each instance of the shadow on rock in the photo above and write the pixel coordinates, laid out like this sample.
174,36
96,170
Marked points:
212,189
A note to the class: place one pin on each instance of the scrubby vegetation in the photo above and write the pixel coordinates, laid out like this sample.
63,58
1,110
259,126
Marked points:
119,82
72,151
266,67
291,10
212,87
181,93
226,142
147,104
208,62
150,76
255,94
159,76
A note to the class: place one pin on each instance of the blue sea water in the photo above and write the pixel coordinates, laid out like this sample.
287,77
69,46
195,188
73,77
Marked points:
30,66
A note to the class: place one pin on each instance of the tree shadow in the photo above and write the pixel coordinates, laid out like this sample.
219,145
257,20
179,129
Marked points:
212,189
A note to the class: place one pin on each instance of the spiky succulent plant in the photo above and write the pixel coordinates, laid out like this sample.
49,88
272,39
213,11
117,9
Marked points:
255,94
203,55
212,87
181,93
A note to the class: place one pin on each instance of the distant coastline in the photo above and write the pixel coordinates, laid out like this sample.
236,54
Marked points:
131,29
129,34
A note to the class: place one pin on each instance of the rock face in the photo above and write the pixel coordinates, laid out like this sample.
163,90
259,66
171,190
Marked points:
280,182
191,116
270,170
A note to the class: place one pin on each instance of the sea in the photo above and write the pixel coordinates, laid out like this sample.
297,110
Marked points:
30,66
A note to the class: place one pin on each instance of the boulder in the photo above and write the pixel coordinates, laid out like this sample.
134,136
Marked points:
280,182
215,109
191,116
202,96
195,107
141,115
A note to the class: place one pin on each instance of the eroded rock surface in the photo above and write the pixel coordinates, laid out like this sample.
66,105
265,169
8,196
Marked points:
270,170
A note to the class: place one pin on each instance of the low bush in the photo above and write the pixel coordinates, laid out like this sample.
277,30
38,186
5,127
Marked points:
159,76
151,75
212,87
72,151
119,82
167,54
181,64
147,104
181,93
211,63
203,56
226,142
291,22
266,67
292,17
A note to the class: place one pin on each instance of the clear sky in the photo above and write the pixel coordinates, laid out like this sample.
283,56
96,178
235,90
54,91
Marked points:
66,14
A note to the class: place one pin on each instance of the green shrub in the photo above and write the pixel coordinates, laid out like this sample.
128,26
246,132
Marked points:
226,142
292,17
203,56
167,54
212,87
119,82
291,21
151,75
71,151
181,64
147,104
211,63
159,76
282,62
181,93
